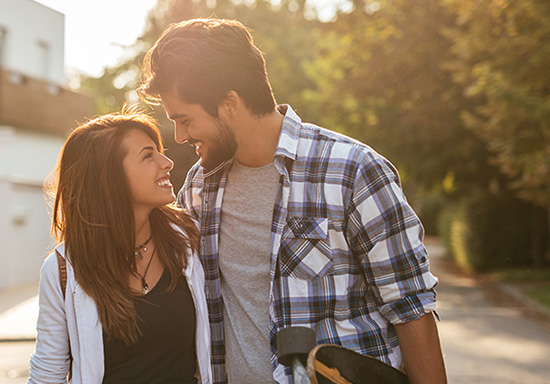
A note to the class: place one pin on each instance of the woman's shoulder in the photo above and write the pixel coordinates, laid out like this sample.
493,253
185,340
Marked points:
51,263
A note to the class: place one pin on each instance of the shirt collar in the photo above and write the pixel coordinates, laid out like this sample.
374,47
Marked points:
218,168
290,132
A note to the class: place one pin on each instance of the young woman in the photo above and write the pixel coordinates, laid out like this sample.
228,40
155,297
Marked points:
132,308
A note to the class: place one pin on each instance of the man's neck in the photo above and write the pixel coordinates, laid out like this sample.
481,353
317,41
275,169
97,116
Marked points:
257,139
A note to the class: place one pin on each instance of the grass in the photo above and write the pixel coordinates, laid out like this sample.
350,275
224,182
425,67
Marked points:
534,283
539,294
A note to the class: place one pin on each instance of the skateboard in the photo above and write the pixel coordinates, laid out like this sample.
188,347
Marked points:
329,363
334,364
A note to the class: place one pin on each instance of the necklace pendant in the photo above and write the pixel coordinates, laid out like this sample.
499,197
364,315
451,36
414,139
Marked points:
145,286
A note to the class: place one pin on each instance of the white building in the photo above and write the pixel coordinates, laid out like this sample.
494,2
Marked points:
32,39
36,113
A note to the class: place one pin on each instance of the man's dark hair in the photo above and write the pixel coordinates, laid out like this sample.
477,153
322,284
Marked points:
202,60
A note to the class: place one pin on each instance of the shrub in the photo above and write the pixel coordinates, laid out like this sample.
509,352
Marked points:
444,222
429,209
485,232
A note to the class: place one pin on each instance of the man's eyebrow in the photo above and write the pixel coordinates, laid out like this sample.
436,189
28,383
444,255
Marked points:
177,116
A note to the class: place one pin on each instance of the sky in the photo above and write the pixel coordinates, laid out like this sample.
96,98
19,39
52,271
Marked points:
96,31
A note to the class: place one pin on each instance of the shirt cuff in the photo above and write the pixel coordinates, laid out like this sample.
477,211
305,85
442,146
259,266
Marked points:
410,308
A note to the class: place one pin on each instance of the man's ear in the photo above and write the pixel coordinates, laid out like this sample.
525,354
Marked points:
230,105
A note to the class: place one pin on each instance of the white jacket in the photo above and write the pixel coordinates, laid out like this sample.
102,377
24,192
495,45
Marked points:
75,320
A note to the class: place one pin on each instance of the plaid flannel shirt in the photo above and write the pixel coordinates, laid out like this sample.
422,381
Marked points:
347,257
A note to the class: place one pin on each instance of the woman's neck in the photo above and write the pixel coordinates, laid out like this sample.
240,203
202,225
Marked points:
143,229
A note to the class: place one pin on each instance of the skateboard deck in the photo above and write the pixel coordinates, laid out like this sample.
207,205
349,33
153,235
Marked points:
334,364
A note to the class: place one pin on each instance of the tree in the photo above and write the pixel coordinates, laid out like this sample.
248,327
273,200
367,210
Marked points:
384,80
502,51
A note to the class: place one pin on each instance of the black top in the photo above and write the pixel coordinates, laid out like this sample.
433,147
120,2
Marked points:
165,351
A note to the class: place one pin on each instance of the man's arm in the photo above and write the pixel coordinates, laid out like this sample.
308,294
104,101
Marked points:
386,236
421,350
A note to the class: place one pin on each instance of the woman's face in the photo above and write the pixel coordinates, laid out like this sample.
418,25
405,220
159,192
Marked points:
147,172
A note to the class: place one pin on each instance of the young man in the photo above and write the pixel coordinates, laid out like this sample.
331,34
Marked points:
300,226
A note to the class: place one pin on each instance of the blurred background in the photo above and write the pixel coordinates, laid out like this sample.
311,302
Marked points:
456,93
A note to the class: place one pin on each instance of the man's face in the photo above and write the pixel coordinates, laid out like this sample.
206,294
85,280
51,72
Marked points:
214,141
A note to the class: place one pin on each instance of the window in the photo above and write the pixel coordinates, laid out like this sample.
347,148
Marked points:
3,43
44,57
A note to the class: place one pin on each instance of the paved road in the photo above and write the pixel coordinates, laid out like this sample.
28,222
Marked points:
14,362
486,338
18,312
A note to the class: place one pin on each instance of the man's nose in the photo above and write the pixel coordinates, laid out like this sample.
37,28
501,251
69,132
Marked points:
180,134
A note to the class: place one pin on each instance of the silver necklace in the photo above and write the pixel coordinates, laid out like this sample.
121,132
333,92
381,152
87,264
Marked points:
137,250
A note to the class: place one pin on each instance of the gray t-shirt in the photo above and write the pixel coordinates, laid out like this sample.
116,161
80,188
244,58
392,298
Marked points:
244,249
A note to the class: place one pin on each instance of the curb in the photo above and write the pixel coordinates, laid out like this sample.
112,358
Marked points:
525,301
498,291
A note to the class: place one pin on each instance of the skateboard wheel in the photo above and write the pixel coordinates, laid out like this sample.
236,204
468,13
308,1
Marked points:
295,342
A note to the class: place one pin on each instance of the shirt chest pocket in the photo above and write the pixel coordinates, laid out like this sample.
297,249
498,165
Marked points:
305,250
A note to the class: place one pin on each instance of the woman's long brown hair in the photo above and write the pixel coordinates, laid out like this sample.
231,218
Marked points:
93,215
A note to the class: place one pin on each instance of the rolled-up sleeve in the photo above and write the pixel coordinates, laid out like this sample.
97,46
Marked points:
386,236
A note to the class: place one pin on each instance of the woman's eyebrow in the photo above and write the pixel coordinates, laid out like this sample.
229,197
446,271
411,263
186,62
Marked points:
147,148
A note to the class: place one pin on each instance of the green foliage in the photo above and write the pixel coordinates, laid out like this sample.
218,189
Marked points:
485,232
444,223
535,283
383,79
429,207
541,294
522,275
502,59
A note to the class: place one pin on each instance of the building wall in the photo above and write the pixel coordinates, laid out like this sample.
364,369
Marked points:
26,161
32,39
37,105
36,113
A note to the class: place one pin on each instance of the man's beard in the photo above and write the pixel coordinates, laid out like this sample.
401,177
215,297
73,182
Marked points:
220,148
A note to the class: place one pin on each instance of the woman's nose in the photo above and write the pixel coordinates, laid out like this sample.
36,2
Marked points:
167,163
